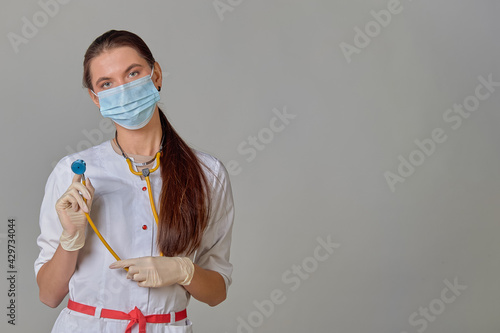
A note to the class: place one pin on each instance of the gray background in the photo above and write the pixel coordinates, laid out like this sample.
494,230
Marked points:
322,175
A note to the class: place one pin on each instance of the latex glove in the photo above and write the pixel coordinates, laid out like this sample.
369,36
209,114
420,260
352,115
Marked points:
158,271
70,209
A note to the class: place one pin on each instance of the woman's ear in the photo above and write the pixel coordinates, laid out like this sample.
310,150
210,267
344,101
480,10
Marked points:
157,76
94,98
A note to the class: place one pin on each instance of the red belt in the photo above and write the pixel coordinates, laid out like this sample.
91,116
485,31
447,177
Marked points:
135,316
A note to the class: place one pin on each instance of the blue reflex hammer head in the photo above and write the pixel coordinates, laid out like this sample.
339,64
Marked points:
78,167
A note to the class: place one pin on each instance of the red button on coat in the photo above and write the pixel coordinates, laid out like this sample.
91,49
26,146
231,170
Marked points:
144,188
144,227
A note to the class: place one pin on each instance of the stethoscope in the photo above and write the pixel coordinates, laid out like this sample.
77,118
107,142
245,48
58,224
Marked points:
79,167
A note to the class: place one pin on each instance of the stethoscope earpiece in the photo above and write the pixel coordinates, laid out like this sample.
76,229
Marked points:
79,167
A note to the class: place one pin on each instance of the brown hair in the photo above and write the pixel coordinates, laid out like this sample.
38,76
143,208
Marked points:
184,198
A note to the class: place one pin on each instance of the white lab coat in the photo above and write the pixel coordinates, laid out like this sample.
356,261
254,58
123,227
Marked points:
120,209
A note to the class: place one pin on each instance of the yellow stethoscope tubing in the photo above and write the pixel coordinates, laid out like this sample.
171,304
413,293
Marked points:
89,219
148,182
151,200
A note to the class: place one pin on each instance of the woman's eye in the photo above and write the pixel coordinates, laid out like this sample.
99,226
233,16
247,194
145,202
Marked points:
106,85
132,74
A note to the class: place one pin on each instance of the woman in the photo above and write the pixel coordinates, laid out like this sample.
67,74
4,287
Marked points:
185,252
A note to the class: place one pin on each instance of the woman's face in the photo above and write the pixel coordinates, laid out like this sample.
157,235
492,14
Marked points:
118,66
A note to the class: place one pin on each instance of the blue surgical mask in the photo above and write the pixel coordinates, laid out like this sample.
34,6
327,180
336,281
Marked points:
130,105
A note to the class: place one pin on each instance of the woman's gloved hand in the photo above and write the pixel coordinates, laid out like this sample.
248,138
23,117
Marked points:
71,209
158,271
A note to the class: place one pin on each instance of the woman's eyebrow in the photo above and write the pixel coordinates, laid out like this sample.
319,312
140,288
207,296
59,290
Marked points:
130,67
105,78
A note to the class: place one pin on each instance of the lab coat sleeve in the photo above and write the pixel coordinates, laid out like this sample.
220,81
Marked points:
216,242
50,227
